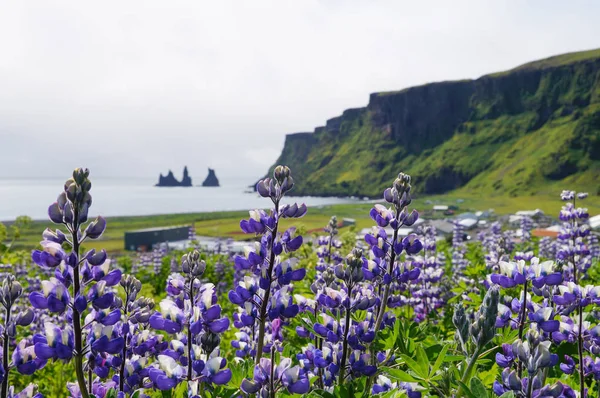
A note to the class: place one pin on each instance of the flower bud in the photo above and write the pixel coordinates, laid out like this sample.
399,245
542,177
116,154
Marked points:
24,318
55,213
281,173
95,229
192,264
209,341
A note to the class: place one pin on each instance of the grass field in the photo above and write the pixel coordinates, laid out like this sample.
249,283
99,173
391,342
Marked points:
226,224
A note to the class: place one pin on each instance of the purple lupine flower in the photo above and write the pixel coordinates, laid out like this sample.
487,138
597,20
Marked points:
170,318
54,296
167,374
56,343
25,359
506,358
293,378
50,256
381,215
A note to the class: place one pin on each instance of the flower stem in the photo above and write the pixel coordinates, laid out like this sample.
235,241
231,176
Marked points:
580,352
522,323
124,354
5,352
345,344
386,292
530,385
189,332
262,316
468,371
77,330
272,371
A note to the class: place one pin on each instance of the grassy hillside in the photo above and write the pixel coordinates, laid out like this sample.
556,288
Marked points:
532,130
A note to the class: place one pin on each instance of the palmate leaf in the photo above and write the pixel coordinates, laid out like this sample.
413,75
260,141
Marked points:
399,375
422,360
415,367
467,391
478,388
509,394
440,359
318,394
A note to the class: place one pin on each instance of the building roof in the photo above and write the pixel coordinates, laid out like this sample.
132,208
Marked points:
594,221
466,215
442,225
540,233
468,222
440,207
159,228
529,213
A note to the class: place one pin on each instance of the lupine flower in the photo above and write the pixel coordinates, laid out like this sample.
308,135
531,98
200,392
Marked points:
286,376
55,344
168,373
25,359
170,318
54,296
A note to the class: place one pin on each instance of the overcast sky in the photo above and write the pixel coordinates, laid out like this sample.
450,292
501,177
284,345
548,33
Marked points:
134,88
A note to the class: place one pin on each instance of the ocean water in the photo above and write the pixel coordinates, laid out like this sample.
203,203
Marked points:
128,197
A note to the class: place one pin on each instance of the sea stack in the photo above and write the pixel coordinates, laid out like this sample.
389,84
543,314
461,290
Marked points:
211,180
170,181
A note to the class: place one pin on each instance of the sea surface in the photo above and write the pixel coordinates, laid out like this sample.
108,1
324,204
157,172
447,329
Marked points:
138,196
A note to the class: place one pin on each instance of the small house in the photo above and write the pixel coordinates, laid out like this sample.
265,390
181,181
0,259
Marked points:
594,222
144,239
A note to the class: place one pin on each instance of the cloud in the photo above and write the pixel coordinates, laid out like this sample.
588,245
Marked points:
133,88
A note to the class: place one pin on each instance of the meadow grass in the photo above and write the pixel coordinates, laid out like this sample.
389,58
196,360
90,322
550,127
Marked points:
226,224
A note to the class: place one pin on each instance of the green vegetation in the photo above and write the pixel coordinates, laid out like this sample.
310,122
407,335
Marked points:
226,224
532,130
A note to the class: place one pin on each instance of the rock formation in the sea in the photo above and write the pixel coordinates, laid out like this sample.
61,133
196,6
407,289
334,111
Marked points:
186,181
211,180
170,181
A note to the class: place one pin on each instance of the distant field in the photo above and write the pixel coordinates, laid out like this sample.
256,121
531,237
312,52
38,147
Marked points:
226,224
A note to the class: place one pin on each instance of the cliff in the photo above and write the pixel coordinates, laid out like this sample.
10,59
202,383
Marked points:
170,181
211,179
523,131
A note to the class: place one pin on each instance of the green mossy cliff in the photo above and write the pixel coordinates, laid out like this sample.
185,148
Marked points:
533,129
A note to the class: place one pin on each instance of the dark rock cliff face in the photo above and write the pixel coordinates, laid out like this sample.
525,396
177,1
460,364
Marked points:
211,179
471,133
170,181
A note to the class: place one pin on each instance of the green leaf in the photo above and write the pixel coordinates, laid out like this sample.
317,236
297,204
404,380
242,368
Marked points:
399,375
509,394
112,393
415,367
422,360
319,394
466,390
167,394
440,359
181,391
478,388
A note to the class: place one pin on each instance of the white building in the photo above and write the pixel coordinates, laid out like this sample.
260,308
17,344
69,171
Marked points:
594,222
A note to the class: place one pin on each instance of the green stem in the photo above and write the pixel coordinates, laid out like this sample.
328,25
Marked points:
580,352
522,324
77,330
345,343
189,332
5,352
468,371
262,316
530,385
124,353
386,292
